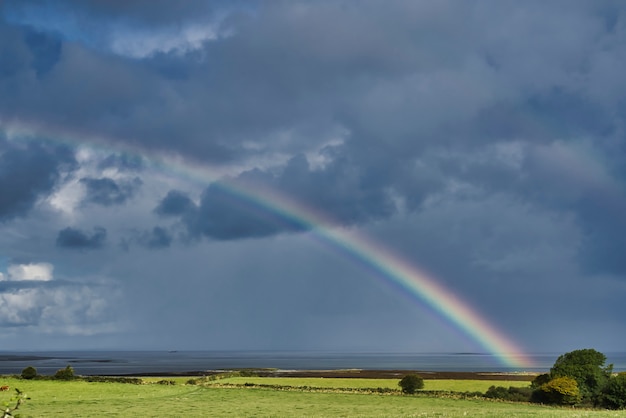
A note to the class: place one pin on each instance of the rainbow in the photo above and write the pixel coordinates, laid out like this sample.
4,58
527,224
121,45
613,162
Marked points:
386,265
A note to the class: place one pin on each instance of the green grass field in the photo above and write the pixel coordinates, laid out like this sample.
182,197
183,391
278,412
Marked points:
320,382
83,399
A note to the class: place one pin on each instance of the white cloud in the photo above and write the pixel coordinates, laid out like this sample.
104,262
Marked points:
142,44
33,271
72,309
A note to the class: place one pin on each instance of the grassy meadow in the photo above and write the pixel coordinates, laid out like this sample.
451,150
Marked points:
82,399
357,383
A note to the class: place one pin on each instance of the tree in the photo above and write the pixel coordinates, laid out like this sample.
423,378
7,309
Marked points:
561,391
587,368
65,374
29,373
614,393
540,380
411,383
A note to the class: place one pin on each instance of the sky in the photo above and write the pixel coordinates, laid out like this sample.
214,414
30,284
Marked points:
152,154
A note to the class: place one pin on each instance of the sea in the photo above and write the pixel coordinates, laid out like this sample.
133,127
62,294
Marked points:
112,363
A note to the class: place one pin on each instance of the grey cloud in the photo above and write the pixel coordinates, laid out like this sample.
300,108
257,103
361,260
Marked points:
174,204
122,162
340,190
156,238
107,192
373,69
402,83
74,238
223,215
27,172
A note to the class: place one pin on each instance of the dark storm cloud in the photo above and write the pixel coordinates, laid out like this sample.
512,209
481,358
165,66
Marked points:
175,203
413,87
400,77
341,190
74,238
107,192
221,215
475,120
28,172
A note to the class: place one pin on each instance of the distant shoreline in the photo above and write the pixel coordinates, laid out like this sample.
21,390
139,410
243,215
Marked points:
192,364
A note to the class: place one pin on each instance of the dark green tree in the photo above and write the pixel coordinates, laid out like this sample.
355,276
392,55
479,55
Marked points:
614,393
586,366
29,373
540,380
411,383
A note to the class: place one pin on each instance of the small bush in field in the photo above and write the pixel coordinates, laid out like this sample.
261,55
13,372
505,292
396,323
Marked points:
411,383
29,373
166,382
65,374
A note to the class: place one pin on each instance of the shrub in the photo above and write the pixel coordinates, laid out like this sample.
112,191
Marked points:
111,379
515,394
29,373
561,391
540,380
411,383
496,392
166,382
614,393
65,374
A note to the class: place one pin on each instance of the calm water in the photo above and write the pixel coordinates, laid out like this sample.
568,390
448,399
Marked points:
137,362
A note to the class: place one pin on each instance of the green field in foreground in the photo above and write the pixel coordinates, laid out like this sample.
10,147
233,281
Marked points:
83,399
